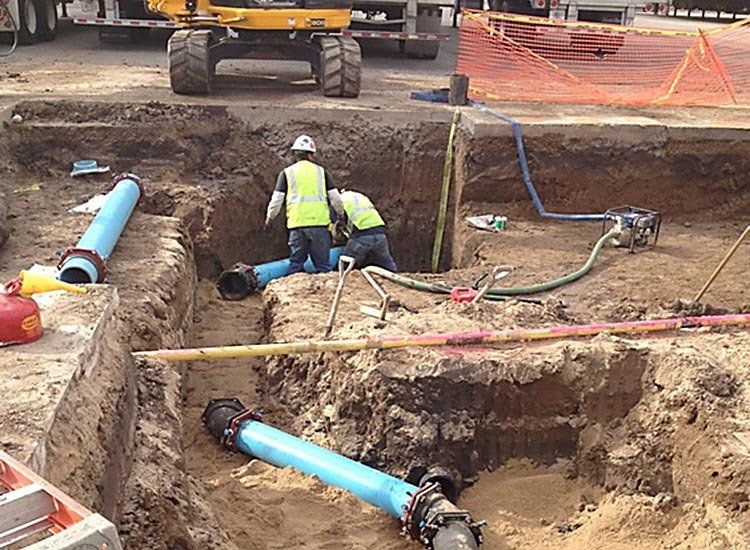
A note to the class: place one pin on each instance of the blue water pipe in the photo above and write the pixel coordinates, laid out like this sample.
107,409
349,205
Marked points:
280,268
281,449
242,280
86,263
426,513
527,173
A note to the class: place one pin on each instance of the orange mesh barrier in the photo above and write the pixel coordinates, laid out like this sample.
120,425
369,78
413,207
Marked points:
521,58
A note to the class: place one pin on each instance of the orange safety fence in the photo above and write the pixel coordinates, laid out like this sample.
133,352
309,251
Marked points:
522,58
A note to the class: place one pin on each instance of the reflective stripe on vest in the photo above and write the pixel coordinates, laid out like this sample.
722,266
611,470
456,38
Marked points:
306,198
360,211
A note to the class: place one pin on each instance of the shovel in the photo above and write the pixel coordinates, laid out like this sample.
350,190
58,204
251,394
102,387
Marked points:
346,264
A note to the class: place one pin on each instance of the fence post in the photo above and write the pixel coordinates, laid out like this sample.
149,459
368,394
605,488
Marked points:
719,66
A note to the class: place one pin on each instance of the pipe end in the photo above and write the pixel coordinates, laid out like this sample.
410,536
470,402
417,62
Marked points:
445,479
76,276
237,283
218,415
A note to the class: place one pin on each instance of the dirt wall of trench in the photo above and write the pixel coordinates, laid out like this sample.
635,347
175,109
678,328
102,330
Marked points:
686,174
587,169
215,168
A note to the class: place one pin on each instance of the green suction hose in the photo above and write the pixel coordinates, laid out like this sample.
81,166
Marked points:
555,283
408,282
499,294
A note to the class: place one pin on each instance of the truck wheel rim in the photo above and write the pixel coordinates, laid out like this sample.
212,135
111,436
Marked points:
29,13
51,21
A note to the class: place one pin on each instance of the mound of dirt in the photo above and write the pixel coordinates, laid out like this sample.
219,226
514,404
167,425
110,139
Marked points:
638,417
529,506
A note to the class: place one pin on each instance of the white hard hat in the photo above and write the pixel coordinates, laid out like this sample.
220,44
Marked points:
304,143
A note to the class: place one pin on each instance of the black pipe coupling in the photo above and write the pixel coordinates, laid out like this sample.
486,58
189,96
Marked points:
237,283
222,417
438,524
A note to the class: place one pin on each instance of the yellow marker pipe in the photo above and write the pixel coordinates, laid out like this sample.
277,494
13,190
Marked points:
721,265
453,339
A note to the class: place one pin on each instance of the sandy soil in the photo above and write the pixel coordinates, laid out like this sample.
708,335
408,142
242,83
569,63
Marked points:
526,505
257,505
535,507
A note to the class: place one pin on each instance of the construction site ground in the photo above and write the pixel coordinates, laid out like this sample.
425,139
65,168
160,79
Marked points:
613,442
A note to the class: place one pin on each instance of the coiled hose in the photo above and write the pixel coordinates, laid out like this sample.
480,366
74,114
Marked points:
500,294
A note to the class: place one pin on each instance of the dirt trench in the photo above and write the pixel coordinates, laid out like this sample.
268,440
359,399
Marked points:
625,443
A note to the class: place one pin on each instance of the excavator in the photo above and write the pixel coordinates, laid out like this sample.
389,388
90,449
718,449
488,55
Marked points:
299,30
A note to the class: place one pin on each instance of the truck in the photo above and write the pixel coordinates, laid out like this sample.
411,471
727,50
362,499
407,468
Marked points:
31,21
617,12
414,24
733,7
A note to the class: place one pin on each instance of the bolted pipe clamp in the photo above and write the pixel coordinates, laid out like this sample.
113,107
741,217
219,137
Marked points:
222,417
135,179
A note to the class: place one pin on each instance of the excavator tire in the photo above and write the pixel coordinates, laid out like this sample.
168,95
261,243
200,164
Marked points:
340,66
190,67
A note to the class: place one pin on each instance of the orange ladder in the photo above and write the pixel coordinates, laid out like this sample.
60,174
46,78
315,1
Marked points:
31,506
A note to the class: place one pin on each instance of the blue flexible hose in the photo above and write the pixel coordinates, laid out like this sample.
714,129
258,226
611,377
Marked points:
527,174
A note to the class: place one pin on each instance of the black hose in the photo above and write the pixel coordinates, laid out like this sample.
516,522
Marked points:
15,31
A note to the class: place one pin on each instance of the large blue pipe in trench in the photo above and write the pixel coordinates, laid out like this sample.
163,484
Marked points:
281,449
242,280
85,262
426,513
280,268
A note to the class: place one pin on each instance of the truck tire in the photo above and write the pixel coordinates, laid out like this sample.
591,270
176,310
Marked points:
340,66
428,21
30,22
189,60
49,20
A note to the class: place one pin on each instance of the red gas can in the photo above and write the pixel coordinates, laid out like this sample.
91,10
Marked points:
20,322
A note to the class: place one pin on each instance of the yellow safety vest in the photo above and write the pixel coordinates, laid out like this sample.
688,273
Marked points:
360,211
306,197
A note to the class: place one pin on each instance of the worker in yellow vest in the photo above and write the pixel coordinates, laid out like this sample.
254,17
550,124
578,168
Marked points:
367,234
308,191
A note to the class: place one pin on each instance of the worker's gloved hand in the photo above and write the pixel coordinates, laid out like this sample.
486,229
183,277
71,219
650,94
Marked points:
339,233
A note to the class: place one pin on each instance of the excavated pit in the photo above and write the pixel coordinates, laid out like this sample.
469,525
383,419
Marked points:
616,442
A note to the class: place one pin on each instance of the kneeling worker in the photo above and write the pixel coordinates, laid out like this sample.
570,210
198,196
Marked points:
308,189
367,232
